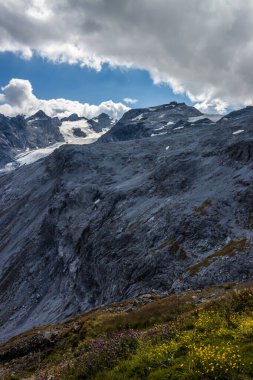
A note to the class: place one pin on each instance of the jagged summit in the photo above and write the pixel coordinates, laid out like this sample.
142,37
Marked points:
39,115
73,117
101,122
103,115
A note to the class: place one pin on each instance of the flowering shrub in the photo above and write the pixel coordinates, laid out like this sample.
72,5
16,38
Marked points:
160,355
208,320
246,327
217,361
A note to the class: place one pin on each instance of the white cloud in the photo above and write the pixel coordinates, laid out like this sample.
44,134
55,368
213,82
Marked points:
130,101
18,92
39,10
201,48
17,97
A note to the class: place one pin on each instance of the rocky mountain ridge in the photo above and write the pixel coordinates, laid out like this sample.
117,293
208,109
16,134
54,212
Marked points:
152,121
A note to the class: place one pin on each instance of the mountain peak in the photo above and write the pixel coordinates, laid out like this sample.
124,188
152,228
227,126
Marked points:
103,115
73,117
39,115
103,120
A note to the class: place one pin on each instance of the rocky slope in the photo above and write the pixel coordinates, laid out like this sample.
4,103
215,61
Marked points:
93,224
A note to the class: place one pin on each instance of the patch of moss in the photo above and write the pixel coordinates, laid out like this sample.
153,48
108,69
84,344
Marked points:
182,254
202,209
166,243
134,226
174,247
229,249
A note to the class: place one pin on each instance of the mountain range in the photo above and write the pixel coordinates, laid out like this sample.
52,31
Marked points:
20,134
161,202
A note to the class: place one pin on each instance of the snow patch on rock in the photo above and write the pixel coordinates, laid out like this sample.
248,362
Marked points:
238,132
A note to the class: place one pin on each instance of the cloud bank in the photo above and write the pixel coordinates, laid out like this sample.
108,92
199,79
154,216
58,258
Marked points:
17,98
130,101
201,48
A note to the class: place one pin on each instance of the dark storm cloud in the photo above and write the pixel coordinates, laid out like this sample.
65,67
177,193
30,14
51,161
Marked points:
203,48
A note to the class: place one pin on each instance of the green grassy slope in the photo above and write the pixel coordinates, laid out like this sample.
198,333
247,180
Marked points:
205,334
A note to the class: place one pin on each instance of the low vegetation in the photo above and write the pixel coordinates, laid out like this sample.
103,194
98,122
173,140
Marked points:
229,249
202,209
198,335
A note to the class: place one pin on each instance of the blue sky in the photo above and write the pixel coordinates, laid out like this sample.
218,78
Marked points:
61,80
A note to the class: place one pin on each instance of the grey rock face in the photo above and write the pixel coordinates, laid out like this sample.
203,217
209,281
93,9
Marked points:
100,122
44,129
94,224
78,132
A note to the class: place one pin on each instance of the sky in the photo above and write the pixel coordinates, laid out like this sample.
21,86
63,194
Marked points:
93,56
132,87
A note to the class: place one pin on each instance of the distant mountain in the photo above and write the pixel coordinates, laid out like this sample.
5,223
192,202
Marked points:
80,130
101,122
39,115
97,123
21,134
73,117
44,129
139,123
166,209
